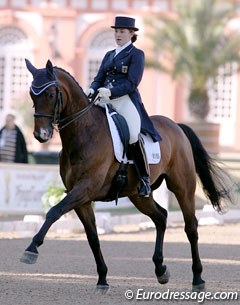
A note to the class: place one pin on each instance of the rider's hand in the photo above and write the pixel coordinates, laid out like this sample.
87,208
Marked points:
104,93
89,92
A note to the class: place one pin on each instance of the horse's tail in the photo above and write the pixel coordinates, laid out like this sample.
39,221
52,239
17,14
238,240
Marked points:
212,177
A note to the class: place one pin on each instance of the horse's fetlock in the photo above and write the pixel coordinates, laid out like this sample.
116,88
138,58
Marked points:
103,270
36,241
197,269
157,259
160,270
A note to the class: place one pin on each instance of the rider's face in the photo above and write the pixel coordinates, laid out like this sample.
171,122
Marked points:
123,36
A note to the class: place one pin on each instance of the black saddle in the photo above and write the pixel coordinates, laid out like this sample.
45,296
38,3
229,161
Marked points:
122,127
120,179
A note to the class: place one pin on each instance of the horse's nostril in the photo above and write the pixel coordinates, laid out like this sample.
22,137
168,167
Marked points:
45,134
36,134
42,135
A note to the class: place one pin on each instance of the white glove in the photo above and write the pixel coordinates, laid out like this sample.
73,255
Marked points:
89,92
104,93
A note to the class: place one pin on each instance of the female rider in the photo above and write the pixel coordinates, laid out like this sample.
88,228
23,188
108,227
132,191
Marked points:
117,83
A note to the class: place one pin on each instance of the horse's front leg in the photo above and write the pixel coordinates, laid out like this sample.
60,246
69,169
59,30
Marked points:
67,204
87,217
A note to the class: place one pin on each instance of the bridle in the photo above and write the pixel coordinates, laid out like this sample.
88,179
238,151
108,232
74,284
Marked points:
58,104
55,117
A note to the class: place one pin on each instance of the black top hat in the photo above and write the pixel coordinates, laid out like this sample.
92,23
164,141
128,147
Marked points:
125,23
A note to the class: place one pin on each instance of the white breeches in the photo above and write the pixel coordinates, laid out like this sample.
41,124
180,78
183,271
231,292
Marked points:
127,109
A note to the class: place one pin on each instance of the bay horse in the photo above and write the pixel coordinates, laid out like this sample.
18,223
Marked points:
88,166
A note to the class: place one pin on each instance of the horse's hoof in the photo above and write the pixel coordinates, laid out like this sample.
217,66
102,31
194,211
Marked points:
102,289
199,287
29,257
164,278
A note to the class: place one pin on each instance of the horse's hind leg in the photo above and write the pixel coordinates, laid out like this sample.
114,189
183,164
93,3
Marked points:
183,185
191,224
158,215
86,215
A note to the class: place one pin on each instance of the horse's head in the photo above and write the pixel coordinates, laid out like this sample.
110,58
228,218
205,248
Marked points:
46,96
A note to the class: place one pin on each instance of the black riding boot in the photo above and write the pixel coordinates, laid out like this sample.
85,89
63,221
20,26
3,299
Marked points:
140,161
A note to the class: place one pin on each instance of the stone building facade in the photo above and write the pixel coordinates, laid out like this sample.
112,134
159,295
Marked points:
74,35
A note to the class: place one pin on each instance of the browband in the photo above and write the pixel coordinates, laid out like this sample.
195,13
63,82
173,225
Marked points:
44,87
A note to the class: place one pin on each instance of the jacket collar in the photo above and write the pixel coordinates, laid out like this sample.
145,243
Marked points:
124,52
121,48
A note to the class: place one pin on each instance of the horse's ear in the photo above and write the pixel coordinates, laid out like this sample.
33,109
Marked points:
30,67
49,67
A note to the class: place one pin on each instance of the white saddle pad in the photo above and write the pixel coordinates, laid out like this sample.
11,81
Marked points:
152,148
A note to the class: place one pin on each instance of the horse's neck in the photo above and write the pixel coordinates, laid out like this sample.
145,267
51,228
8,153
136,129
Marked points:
76,120
76,101
75,105
84,124
74,97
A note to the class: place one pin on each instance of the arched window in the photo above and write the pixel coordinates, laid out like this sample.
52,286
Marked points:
11,36
14,77
102,42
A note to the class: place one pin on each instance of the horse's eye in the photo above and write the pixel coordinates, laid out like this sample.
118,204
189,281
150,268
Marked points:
51,95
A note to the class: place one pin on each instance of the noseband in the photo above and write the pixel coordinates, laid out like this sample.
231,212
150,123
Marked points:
55,117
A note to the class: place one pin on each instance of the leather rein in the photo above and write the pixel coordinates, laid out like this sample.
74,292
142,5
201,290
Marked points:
55,117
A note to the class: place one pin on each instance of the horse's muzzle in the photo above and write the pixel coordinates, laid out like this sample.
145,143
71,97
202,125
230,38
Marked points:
43,135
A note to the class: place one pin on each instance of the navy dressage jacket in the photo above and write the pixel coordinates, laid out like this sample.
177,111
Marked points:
122,75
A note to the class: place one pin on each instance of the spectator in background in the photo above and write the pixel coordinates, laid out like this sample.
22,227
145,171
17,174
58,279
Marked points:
12,143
